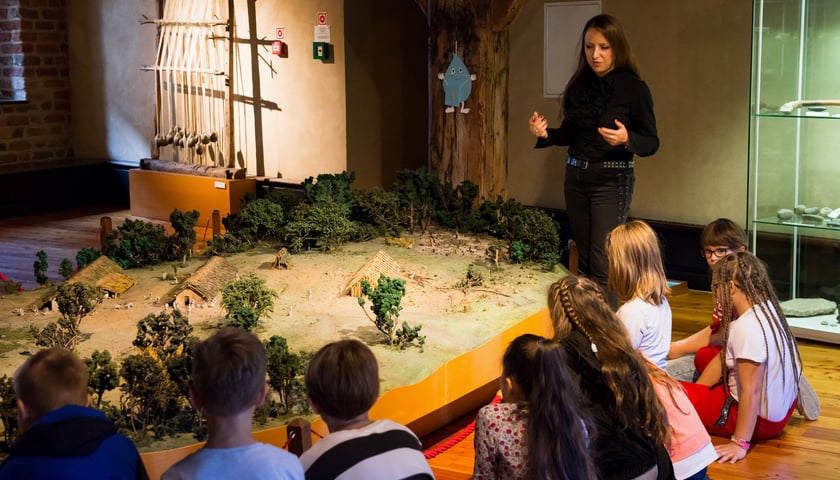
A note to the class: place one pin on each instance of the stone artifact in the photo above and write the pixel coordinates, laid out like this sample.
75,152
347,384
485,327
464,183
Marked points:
807,307
784,214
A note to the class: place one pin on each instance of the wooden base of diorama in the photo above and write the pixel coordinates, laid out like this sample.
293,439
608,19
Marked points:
154,195
461,385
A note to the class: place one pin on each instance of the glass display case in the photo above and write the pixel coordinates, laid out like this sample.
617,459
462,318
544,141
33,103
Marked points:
794,169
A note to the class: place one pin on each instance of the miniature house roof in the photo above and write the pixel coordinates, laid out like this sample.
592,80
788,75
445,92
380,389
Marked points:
104,273
207,280
381,263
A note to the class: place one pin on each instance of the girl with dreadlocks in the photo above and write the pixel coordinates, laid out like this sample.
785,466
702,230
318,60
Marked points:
629,423
760,360
537,432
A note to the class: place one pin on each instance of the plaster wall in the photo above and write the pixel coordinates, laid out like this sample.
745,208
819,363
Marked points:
695,57
113,101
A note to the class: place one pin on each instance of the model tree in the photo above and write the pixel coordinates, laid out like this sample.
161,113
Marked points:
102,374
184,238
249,292
65,269
285,375
385,304
40,266
75,301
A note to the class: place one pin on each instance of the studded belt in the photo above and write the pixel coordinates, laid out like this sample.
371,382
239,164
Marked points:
585,164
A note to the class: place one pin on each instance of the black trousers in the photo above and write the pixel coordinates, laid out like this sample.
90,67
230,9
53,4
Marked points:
597,200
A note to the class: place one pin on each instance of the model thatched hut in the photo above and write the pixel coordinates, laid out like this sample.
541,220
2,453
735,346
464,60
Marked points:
381,263
105,274
205,283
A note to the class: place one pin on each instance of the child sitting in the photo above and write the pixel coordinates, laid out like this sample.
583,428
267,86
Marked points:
537,432
342,383
61,436
638,277
228,384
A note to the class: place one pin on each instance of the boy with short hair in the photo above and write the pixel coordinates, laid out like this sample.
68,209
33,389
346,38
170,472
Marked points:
62,437
227,385
342,383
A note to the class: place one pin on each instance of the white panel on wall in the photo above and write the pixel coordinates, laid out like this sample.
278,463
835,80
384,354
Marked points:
563,24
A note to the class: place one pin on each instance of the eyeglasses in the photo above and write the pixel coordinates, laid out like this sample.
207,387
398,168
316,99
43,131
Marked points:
715,252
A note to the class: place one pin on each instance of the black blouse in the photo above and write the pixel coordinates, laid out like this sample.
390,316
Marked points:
597,102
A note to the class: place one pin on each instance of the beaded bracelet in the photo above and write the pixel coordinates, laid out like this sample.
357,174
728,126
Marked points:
741,443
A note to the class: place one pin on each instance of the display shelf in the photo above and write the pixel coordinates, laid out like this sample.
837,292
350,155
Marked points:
795,104
824,328
793,222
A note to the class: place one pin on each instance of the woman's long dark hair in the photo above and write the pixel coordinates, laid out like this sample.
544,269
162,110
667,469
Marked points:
612,30
556,437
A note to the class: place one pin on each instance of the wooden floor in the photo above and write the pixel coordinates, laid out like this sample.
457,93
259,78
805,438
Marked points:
805,450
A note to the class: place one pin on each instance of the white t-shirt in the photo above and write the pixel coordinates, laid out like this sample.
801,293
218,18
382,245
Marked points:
255,461
746,341
649,327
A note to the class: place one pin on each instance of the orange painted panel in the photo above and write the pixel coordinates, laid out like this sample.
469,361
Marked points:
424,406
154,195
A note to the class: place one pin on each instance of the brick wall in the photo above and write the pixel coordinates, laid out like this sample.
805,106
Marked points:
35,133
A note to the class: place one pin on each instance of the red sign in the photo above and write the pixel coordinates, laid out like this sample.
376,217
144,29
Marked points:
278,32
322,18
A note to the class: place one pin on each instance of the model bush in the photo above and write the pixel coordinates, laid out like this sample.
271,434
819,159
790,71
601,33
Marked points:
329,186
136,243
8,410
323,225
456,210
539,232
8,285
40,267
386,299
249,292
285,375
226,244
419,192
182,241
75,301
244,318
86,256
378,208
259,219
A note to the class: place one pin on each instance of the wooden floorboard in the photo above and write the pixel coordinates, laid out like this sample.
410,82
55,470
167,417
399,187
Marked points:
805,449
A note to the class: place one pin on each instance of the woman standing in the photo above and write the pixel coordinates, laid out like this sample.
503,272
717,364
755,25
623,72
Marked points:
607,118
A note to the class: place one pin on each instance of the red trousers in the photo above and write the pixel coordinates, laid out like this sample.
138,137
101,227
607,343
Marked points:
709,403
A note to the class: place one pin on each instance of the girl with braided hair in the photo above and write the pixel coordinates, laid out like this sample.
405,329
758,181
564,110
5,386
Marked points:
618,398
537,432
760,360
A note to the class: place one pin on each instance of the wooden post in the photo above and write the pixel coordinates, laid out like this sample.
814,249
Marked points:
105,227
217,223
299,434
230,161
253,42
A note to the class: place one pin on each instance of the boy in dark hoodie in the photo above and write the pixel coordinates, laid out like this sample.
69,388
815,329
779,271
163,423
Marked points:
61,436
